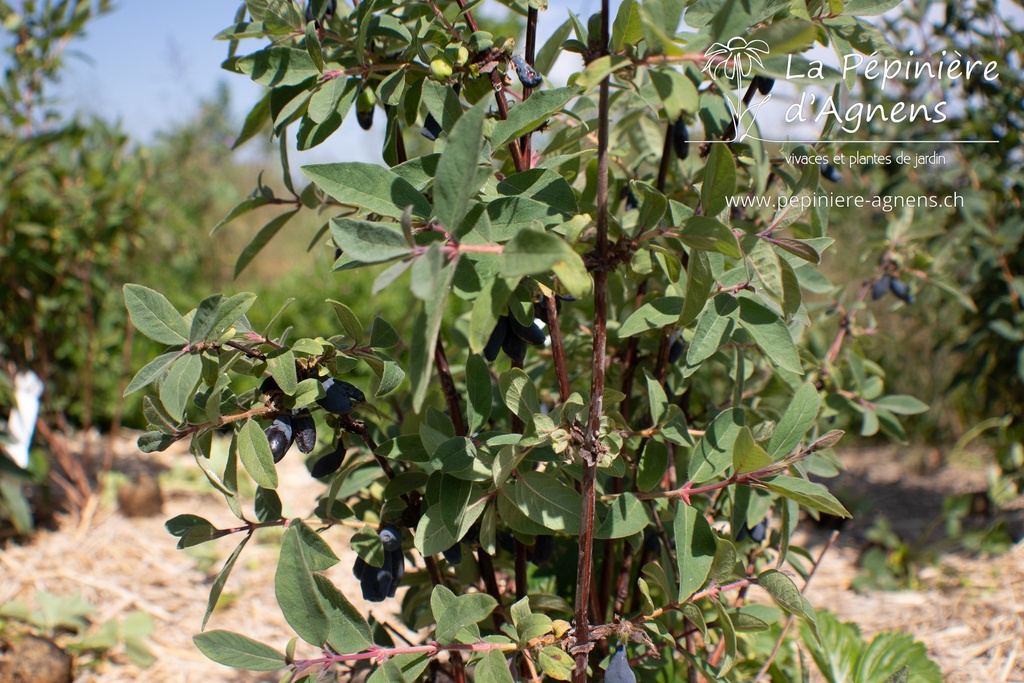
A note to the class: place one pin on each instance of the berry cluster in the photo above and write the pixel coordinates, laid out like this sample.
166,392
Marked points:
379,583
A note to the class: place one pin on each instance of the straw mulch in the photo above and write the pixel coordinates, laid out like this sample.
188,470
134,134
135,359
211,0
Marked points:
970,614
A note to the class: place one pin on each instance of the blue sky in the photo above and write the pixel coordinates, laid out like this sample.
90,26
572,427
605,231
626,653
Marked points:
147,63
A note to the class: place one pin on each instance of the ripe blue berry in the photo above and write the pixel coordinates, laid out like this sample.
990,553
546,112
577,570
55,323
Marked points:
328,464
527,74
764,84
618,670
279,434
680,138
830,172
304,428
881,286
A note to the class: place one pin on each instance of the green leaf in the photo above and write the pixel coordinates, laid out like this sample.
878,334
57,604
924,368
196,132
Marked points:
238,651
719,180
627,515
864,8
713,454
426,327
488,306
260,240
524,117
245,206
532,252
152,371
274,66
218,587
390,378
556,663
492,668
443,104
297,592
552,48
519,394
747,455
628,26
601,68
254,452
368,242
179,385
714,329
699,283
478,392
192,530
453,613
657,400
281,365
796,421
154,316
786,595
454,456
457,181
382,334
708,234
771,334
696,545
349,631
677,92
349,321
901,404
257,117
373,188
453,504
548,502
653,464
316,52
807,493
661,312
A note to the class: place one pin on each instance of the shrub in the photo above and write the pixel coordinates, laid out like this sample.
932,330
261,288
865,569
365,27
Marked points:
602,370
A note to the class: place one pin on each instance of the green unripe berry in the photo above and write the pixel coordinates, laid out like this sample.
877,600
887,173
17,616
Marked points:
440,69
367,100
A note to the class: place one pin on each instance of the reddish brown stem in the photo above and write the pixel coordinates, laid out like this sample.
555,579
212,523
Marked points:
451,394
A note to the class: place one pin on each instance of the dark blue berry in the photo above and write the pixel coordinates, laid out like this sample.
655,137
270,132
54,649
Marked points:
680,138
531,335
279,435
391,537
454,554
328,464
527,74
541,551
830,172
618,670
901,290
880,288
304,428
339,396
496,339
764,84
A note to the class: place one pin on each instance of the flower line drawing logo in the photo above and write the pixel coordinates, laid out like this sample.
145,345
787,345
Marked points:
735,61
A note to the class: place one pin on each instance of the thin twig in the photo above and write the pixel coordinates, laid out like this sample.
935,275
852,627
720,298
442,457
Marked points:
591,450
789,621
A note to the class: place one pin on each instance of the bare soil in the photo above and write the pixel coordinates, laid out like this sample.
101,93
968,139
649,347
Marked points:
969,612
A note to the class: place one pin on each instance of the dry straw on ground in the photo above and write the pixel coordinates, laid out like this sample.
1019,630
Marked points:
970,614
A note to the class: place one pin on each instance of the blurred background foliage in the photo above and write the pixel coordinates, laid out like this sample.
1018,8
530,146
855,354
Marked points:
84,209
